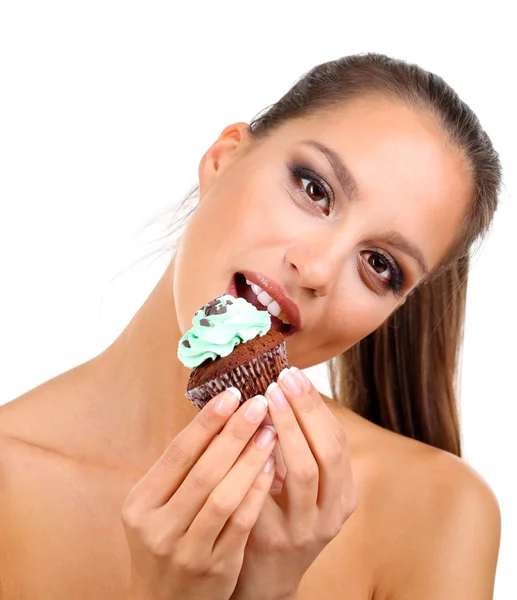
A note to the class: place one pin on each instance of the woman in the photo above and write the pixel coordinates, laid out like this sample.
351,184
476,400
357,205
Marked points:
359,192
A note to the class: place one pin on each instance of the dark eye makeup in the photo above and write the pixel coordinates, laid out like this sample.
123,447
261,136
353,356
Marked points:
299,172
378,257
381,258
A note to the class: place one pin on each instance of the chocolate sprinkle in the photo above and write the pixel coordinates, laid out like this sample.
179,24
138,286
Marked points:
186,343
204,322
218,310
210,307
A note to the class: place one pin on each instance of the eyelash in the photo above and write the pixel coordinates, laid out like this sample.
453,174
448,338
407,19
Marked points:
396,280
298,172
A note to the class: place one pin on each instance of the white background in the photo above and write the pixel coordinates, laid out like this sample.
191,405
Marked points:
107,107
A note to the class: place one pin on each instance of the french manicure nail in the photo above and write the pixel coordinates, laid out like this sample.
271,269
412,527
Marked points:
229,401
270,464
277,396
265,436
302,378
290,381
256,409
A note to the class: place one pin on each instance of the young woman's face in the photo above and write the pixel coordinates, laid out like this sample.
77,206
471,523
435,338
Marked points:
347,247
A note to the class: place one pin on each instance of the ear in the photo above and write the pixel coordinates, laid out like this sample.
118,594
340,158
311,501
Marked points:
222,153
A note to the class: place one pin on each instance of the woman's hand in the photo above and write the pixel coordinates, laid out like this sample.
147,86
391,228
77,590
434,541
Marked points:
188,519
317,495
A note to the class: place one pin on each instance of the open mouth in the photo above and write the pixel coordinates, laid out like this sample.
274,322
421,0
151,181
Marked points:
241,289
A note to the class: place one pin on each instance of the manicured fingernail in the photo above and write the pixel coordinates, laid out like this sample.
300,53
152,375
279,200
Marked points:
290,381
265,436
256,409
305,382
277,396
270,464
229,401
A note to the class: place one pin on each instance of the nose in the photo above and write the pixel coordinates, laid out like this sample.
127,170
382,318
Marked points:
320,260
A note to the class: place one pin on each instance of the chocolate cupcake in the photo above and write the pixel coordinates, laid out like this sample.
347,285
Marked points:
230,344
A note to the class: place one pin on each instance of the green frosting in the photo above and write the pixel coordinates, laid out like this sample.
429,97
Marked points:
218,327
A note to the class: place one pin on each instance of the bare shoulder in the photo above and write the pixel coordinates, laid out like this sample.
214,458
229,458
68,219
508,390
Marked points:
42,417
21,470
52,494
435,520
33,430
419,471
25,437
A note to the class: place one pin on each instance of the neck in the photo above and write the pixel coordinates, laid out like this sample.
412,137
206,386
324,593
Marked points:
139,382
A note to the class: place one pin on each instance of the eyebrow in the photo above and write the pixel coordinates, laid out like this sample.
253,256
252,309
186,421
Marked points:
343,175
351,191
395,239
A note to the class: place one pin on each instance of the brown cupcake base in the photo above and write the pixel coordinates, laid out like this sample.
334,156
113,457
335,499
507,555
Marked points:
250,377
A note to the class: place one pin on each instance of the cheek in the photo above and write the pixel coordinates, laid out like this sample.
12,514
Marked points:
233,210
351,314
231,223
365,317
250,212
359,313
196,281
345,325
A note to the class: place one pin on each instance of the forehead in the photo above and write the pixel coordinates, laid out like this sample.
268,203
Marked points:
409,178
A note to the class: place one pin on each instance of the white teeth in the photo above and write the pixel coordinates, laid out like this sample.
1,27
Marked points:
264,298
283,318
274,308
256,289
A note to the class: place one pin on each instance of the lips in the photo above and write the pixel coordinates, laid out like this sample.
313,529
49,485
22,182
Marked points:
277,292
232,290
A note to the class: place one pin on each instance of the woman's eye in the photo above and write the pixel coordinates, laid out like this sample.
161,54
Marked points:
314,191
379,264
311,186
386,269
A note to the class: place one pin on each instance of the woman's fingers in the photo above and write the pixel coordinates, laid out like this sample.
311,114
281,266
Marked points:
340,482
302,480
167,474
216,462
236,532
235,503
320,431
280,470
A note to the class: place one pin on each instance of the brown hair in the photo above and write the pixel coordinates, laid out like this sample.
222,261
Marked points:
403,375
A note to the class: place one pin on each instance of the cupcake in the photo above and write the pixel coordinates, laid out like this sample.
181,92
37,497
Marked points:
230,344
